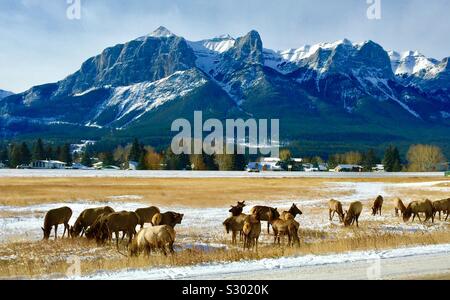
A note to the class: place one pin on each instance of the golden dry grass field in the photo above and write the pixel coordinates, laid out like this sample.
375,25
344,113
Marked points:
201,237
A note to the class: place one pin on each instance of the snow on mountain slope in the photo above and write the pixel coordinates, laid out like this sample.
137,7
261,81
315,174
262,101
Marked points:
129,103
411,63
4,94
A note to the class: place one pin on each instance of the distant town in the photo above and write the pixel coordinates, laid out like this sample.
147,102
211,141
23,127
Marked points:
136,156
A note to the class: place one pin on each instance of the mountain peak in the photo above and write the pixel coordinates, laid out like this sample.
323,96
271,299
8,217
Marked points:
162,31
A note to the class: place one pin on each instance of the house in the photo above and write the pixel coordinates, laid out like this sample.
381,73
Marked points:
48,164
2,165
271,164
254,167
348,168
132,165
378,168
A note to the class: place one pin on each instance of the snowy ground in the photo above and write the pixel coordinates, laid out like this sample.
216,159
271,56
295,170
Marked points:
294,266
19,223
203,174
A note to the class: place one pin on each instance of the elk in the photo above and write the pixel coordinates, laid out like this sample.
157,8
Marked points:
235,225
264,213
441,206
399,206
55,217
377,206
334,207
146,214
291,213
283,228
151,238
86,219
416,207
238,209
169,218
251,231
353,213
116,222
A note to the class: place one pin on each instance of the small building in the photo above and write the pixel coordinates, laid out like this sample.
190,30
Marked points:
2,165
348,168
48,164
132,165
271,164
378,168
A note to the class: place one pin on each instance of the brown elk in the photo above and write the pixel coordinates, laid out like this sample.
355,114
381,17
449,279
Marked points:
151,238
416,207
124,221
441,206
86,219
146,214
291,213
55,217
235,225
282,228
251,231
334,207
168,218
399,206
264,213
377,206
238,209
353,213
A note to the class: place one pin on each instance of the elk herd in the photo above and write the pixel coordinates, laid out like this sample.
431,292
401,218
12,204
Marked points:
101,223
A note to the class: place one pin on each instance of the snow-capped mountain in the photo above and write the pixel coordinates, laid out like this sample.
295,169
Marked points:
154,79
4,94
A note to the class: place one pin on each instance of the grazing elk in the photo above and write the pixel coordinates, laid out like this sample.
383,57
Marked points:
335,207
377,206
94,231
146,214
353,213
235,224
86,219
399,206
416,207
238,209
168,218
251,231
291,213
151,238
124,221
55,217
264,213
441,206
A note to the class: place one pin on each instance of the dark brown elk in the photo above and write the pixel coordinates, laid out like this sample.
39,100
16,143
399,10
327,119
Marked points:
94,231
168,218
264,213
416,207
353,213
124,221
235,225
146,214
335,207
441,206
251,231
86,219
238,209
377,206
399,206
55,217
291,213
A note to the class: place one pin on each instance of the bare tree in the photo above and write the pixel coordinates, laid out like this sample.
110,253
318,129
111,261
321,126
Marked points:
425,158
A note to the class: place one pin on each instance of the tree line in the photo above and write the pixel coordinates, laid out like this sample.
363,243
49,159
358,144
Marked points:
419,158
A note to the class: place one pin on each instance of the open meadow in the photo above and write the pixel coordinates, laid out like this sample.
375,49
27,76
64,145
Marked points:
202,246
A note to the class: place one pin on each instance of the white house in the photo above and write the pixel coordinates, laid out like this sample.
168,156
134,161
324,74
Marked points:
348,168
271,164
48,164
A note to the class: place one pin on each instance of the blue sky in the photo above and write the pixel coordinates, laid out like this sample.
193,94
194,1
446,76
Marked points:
39,44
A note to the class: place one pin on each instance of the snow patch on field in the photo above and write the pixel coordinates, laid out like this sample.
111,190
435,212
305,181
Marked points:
226,268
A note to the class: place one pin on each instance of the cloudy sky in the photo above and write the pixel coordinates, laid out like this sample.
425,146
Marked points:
40,44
